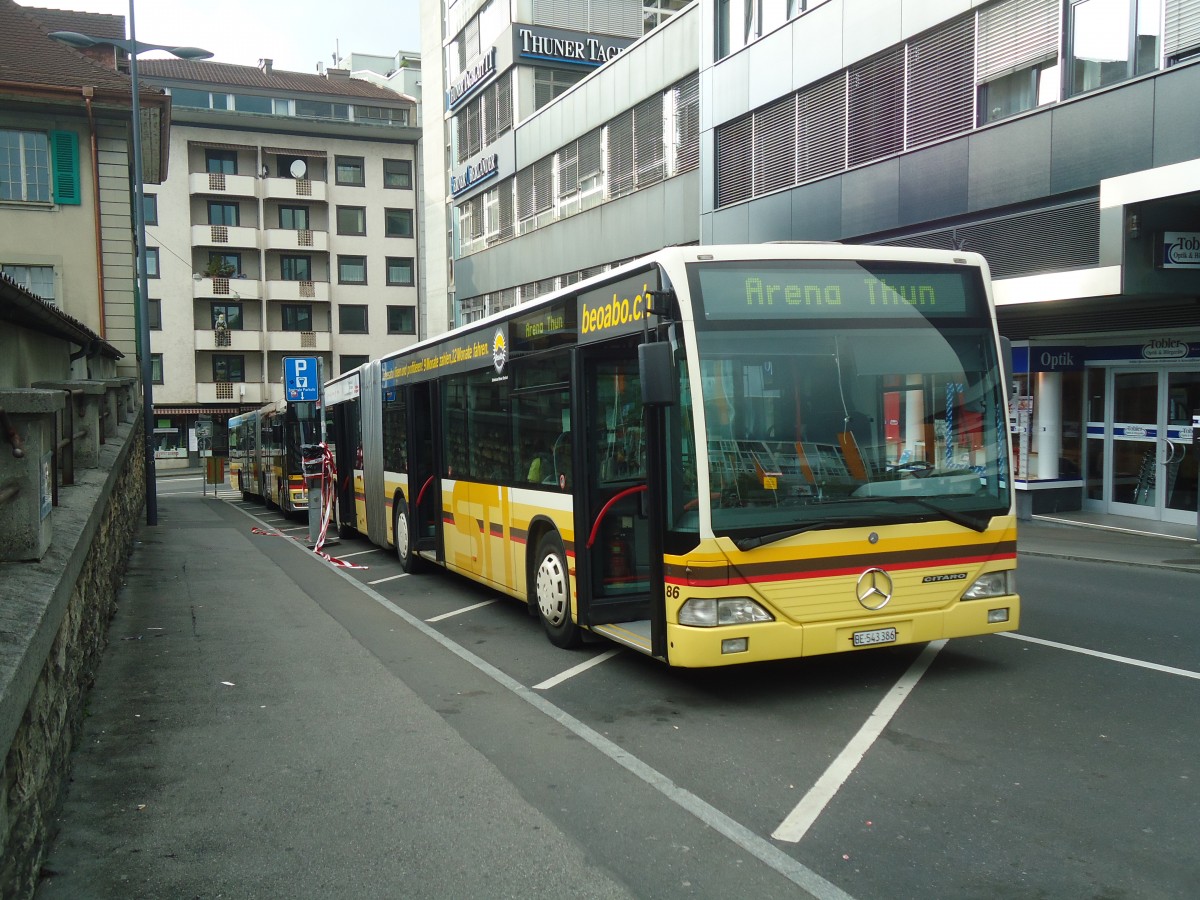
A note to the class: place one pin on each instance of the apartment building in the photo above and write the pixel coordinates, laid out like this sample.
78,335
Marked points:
287,227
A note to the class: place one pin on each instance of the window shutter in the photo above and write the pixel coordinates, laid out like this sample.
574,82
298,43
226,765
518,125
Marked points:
1015,35
735,155
775,146
504,103
590,162
876,107
505,192
687,124
525,193
941,83
648,140
543,181
64,151
620,154
1182,30
821,129
568,169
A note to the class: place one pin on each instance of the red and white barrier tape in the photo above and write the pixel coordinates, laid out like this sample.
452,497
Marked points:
327,479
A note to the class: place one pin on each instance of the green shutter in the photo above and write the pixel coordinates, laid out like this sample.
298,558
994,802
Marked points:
64,153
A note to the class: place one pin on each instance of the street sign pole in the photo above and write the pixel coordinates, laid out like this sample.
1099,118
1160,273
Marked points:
302,383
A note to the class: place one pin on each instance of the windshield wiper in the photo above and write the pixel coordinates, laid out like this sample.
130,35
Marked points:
966,520
749,543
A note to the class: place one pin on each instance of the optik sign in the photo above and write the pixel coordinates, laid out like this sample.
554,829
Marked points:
1181,250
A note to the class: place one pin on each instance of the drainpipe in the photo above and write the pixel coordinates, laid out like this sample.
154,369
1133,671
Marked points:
88,93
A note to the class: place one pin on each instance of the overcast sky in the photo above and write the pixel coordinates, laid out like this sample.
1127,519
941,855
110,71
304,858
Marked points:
296,34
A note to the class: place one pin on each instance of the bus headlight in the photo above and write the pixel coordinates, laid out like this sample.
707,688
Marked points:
993,584
706,612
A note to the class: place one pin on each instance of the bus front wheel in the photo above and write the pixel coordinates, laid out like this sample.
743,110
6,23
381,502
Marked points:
552,590
402,536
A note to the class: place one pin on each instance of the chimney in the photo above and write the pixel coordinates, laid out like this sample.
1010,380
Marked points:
265,65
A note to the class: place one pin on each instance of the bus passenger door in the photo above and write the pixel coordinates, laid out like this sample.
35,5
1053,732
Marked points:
424,485
616,536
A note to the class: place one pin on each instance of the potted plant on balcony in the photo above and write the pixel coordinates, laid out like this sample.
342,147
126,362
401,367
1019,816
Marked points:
219,270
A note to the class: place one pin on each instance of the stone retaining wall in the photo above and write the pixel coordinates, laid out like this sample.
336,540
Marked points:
54,617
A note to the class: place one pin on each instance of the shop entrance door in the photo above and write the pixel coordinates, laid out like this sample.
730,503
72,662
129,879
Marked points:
1150,461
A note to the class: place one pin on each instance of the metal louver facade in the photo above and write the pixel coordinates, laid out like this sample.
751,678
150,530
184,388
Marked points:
876,107
735,162
687,124
775,146
941,83
1016,34
1181,27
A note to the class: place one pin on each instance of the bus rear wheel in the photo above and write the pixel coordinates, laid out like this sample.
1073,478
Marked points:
552,591
402,535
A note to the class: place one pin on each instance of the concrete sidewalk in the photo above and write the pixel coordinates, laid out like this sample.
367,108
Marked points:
240,742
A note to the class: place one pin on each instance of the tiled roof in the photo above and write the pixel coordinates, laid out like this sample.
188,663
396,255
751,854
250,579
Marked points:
227,75
31,57
101,25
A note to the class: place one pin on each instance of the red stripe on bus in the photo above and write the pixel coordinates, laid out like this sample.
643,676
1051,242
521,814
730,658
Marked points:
804,575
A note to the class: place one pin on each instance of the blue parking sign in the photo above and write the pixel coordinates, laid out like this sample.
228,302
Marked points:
301,379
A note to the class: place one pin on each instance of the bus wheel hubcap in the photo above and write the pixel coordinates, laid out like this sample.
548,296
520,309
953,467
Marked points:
552,589
402,534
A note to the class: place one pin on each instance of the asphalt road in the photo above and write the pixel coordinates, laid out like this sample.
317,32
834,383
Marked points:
1057,763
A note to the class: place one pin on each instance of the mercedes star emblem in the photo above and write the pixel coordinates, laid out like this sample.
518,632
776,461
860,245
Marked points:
874,589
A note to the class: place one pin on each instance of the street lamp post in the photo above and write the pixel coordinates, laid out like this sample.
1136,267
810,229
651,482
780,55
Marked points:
133,48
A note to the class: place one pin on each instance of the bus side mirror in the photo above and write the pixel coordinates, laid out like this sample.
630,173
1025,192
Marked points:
657,370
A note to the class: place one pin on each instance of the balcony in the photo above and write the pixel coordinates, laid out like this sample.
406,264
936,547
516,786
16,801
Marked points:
237,340
298,291
232,288
225,236
296,239
222,185
298,342
229,392
294,189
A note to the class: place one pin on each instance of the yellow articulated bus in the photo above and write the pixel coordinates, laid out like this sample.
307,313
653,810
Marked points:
712,455
266,452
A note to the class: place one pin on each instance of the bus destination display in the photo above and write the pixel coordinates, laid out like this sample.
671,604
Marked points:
769,291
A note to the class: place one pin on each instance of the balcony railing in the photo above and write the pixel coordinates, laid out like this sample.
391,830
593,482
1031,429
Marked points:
294,189
290,291
231,288
229,392
225,236
293,341
236,340
221,184
296,239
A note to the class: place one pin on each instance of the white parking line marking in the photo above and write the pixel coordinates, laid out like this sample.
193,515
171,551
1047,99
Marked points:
359,553
800,819
294,528
389,578
575,670
1170,670
459,612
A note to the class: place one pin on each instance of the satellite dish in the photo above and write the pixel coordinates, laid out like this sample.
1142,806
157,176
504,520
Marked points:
298,168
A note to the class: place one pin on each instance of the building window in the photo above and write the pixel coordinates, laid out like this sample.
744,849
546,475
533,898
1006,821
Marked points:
400,270
352,319
222,213
232,313
398,223
397,174
348,170
352,270
229,367
296,316
549,83
25,166
223,265
220,162
293,218
1016,57
402,320
152,262
351,220
348,363
156,368
38,280
295,268
1111,41
150,208
154,314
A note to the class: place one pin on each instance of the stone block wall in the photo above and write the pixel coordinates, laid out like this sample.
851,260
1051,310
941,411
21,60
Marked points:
54,617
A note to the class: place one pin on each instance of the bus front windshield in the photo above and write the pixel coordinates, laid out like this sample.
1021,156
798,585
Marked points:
878,399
